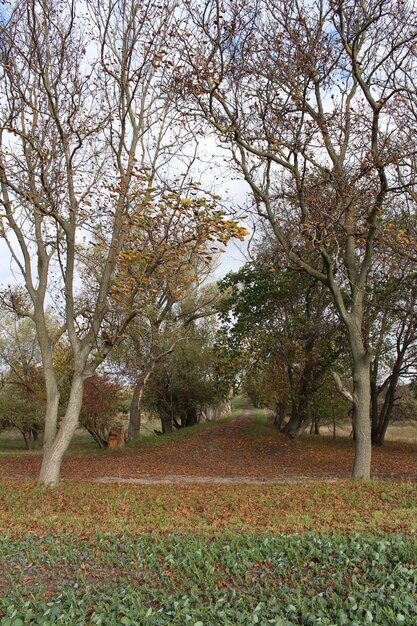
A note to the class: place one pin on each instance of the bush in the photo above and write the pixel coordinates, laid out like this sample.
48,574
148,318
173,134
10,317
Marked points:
100,407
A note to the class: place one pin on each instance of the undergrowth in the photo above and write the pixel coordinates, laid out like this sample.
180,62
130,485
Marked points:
209,581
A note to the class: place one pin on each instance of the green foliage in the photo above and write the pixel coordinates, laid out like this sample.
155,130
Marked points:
22,394
233,579
279,323
185,382
22,409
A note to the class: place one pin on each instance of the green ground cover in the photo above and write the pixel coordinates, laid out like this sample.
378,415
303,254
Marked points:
217,580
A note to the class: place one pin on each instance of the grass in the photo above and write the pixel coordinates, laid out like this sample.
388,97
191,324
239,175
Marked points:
12,443
260,427
239,402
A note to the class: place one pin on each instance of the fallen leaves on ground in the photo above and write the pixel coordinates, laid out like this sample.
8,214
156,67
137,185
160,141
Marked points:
228,449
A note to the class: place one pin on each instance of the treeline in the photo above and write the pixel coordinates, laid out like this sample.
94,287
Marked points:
169,367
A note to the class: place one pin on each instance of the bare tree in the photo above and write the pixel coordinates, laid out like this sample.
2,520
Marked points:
307,96
89,155
77,96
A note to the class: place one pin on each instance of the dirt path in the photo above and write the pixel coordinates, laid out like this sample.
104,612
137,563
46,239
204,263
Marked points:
231,452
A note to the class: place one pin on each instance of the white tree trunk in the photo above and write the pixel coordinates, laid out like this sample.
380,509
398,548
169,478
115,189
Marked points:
54,453
51,412
361,416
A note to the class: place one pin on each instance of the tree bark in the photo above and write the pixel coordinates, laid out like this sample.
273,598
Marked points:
361,418
191,418
315,426
52,405
133,430
53,454
280,412
292,424
384,416
167,426
374,401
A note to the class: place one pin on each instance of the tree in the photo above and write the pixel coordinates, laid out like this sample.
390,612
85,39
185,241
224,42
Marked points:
395,353
80,101
282,321
100,406
314,102
163,266
185,383
22,393
156,333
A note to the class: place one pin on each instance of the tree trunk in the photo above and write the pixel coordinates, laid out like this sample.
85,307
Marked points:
374,402
35,437
293,422
280,412
26,439
133,430
100,441
383,417
53,454
31,437
386,412
302,425
167,426
191,418
361,417
315,426
52,405
298,421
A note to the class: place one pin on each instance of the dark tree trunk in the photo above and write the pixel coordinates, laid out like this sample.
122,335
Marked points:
315,426
191,418
384,415
381,418
280,412
167,424
100,441
28,442
35,432
374,402
292,424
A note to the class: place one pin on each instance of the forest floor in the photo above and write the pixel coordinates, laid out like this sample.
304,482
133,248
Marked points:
245,448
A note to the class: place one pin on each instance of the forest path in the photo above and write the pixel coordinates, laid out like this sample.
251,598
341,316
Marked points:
241,450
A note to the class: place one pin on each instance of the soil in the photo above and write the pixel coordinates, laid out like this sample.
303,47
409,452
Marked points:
228,452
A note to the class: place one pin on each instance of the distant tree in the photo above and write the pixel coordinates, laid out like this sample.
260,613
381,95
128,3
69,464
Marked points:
100,407
22,392
394,344
185,383
282,324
